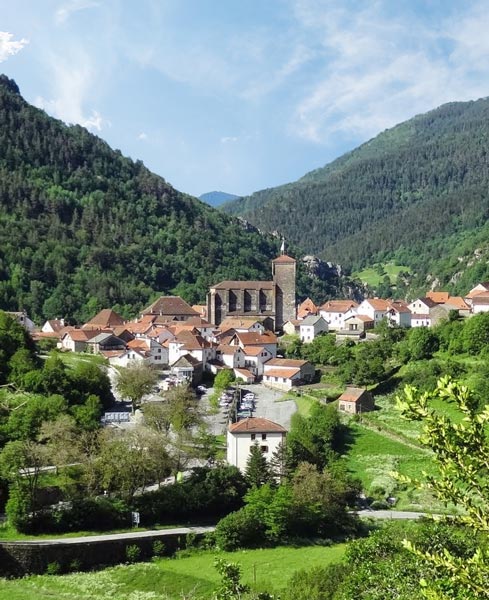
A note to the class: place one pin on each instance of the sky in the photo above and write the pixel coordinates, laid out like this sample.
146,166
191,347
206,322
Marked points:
242,95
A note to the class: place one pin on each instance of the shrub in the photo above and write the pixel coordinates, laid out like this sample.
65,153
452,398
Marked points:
53,568
240,529
319,583
133,553
158,548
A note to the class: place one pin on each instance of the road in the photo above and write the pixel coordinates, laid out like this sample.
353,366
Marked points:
138,534
392,514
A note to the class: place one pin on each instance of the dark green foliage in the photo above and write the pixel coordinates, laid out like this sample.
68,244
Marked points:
84,228
257,468
240,529
315,439
133,553
318,583
417,192
208,494
17,351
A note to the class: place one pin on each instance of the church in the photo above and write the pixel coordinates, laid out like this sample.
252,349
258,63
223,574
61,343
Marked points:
273,301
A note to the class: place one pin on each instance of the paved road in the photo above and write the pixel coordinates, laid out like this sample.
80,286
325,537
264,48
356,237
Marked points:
113,536
392,514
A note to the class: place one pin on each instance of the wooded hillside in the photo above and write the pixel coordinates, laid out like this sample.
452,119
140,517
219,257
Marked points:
417,193
83,227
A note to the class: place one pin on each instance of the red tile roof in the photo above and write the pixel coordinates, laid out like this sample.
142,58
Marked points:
284,259
254,338
438,297
256,425
105,318
170,306
340,306
285,363
287,373
352,394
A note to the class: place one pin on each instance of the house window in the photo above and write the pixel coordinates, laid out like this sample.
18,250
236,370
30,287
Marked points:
263,436
253,436
264,449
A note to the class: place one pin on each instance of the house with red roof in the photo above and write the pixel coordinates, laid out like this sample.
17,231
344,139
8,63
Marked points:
241,436
335,311
285,373
355,401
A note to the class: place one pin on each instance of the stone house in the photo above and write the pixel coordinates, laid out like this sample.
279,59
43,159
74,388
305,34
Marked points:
356,401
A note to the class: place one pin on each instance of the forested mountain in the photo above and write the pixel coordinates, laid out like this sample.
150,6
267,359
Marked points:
217,198
417,193
84,228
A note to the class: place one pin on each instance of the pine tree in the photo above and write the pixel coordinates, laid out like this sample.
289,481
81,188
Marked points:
257,468
280,468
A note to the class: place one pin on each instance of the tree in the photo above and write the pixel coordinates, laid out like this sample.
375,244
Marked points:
461,452
224,379
422,343
21,463
135,381
257,469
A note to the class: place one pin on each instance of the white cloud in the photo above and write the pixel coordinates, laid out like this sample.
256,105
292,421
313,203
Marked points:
377,70
72,88
143,136
229,139
8,46
65,11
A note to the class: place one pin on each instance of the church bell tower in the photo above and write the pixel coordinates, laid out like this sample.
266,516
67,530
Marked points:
283,273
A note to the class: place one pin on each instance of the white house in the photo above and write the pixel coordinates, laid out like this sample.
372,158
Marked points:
311,326
242,324
53,326
241,436
421,312
156,354
255,358
480,288
231,356
125,358
480,303
334,312
375,308
399,314
284,373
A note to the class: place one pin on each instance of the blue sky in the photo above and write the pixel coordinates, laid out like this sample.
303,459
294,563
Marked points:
240,95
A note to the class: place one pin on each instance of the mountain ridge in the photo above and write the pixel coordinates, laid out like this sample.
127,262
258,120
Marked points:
84,228
399,196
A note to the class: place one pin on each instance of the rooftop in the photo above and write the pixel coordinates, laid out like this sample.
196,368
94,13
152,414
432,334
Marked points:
256,425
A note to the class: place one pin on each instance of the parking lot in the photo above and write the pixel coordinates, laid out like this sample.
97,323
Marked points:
267,406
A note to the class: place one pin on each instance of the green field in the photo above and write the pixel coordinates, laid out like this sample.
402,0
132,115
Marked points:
372,276
383,443
193,577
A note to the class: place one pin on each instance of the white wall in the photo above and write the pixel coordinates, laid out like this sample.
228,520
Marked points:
239,444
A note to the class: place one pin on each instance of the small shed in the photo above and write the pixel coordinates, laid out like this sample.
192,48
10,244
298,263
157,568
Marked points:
355,401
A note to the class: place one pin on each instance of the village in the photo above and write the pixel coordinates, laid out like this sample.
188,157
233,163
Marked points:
241,334
240,330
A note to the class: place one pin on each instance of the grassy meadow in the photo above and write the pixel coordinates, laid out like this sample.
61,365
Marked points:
192,577
374,275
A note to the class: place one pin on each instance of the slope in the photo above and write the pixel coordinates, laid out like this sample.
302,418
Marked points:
83,227
407,191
